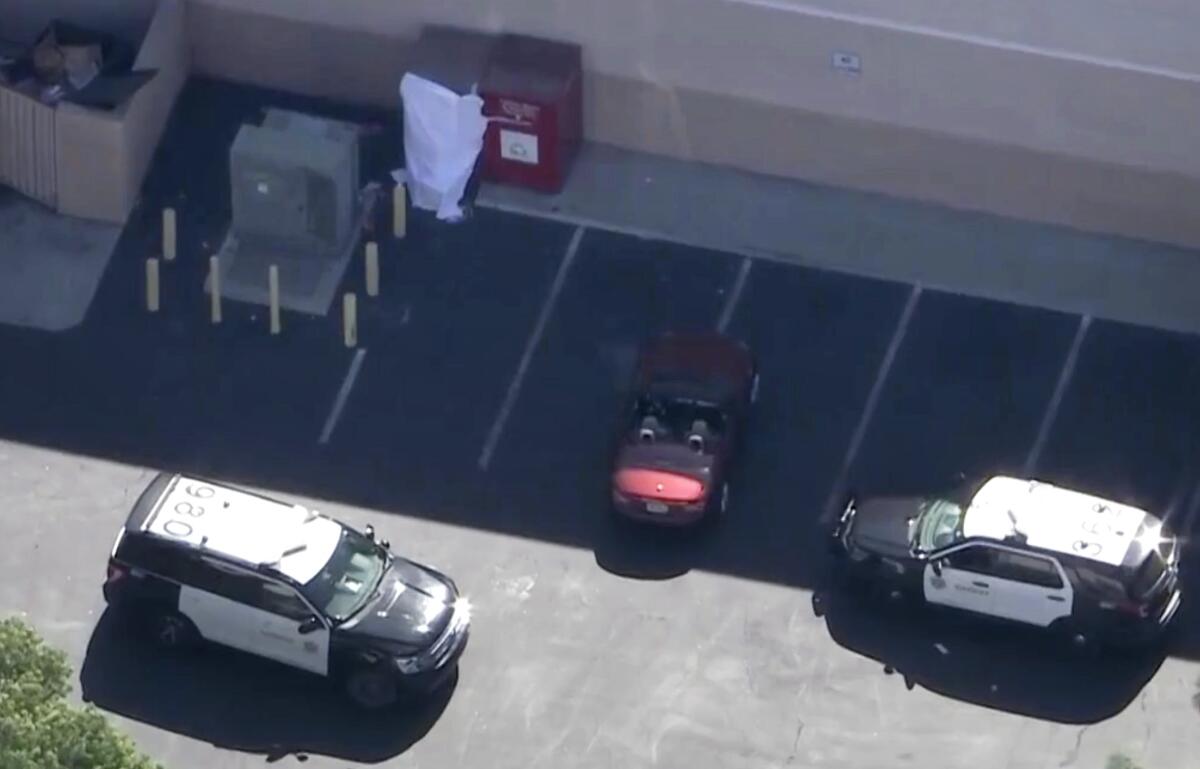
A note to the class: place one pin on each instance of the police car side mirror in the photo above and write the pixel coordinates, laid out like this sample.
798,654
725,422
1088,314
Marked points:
310,625
936,566
370,532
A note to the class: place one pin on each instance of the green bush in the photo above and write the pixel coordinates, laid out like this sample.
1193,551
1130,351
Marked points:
1120,761
39,729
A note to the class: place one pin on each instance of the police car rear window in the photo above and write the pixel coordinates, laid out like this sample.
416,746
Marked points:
1148,574
1153,567
1029,569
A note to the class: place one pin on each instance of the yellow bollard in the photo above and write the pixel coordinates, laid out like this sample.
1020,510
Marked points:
372,269
168,234
273,287
214,274
152,284
399,211
350,320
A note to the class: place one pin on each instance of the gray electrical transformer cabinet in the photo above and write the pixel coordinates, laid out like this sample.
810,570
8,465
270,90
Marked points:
295,183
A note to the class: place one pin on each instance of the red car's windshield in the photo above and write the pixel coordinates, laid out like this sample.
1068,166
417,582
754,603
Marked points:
679,417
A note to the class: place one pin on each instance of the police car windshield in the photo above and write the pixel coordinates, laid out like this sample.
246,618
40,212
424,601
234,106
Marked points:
348,580
939,524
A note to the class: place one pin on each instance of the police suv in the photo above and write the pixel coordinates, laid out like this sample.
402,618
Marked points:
199,561
1090,569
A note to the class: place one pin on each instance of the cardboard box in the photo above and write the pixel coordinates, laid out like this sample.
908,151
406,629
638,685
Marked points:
88,162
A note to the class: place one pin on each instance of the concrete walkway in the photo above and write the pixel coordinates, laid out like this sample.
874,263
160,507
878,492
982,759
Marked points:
958,251
50,265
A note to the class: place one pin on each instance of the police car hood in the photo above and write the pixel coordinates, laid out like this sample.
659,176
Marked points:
883,525
410,609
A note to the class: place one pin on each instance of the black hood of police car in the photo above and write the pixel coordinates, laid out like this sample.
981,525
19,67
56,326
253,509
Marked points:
884,525
409,610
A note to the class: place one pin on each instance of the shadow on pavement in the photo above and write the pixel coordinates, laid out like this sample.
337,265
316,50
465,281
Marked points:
1184,641
638,551
237,702
993,666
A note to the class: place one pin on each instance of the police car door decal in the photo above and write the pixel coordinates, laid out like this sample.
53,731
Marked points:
279,635
959,587
251,629
282,640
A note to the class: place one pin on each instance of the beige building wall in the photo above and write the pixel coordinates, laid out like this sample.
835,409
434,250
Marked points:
23,20
1149,33
1078,112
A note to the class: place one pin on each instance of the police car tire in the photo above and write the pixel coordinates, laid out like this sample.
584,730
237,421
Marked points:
372,688
168,629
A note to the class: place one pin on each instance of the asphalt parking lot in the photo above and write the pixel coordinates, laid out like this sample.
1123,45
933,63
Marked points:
470,424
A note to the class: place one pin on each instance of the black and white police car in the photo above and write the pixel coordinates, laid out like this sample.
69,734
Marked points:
1094,570
199,561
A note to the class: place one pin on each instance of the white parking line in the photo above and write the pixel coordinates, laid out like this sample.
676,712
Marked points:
339,402
535,338
864,420
1060,390
734,295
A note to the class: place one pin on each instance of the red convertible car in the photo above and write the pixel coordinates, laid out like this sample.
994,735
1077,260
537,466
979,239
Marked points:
681,428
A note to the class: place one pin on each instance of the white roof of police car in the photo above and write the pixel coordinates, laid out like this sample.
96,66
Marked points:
245,527
1053,518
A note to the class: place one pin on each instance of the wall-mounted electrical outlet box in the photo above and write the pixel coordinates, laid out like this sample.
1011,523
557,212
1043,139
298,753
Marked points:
847,62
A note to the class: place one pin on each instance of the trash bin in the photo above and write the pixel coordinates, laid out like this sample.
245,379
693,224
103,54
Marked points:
533,99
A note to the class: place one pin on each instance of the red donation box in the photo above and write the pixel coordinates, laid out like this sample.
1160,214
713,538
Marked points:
533,98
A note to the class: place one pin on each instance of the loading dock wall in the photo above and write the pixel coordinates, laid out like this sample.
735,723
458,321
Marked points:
994,111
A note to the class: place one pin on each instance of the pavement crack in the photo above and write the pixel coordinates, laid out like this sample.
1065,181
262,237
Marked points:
1074,754
1149,722
795,743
